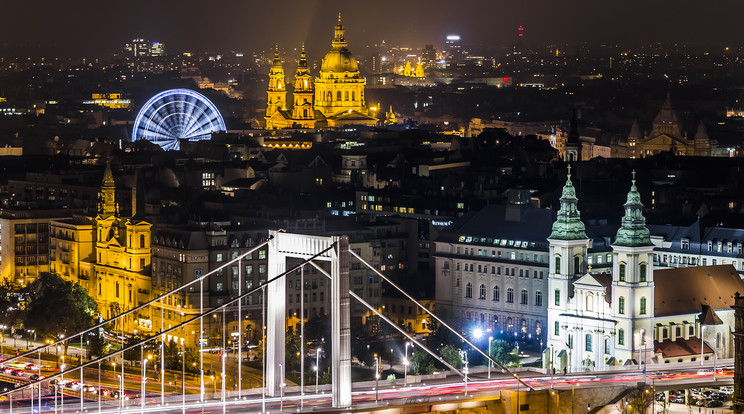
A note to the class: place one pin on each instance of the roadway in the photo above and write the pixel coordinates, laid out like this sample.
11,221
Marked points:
451,388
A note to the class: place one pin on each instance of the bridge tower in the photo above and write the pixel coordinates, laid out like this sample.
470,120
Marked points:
287,245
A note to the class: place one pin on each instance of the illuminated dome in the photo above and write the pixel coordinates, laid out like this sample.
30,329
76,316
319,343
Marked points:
339,59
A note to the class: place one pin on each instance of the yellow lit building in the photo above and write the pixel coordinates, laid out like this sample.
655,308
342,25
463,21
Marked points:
109,255
335,99
109,100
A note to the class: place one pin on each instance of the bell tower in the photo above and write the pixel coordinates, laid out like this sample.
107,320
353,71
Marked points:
277,92
633,283
568,248
303,90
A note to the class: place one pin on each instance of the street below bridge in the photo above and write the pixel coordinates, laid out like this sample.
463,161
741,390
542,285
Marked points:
451,388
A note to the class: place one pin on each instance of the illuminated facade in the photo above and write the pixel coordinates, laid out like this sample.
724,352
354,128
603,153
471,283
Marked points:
109,100
335,99
667,135
24,244
109,255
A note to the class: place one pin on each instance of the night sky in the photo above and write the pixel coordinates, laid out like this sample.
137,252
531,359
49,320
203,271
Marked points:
98,28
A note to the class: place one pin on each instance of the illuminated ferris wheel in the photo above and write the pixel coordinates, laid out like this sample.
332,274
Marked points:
177,114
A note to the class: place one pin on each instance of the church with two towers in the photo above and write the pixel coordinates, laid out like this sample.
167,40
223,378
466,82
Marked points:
636,315
334,99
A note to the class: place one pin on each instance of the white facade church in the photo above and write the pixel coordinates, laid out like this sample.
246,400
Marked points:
635,315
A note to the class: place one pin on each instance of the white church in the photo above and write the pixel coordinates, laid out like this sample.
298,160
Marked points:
635,315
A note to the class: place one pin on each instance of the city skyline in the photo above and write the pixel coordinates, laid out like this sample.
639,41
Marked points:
221,26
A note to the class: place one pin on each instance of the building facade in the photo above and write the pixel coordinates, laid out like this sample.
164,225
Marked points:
633,315
336,97
492,271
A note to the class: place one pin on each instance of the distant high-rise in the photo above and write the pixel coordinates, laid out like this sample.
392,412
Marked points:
144,48
453,49
428,55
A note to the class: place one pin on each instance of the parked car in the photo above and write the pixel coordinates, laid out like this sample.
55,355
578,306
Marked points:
678,399
715,403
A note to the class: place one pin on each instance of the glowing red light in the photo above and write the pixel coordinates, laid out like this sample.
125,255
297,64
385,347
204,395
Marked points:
506,79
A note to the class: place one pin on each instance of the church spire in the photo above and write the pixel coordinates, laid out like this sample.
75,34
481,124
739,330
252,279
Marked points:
338,35
568,224
633,231
108,207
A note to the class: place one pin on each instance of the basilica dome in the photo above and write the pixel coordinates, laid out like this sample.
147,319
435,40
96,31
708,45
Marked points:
339,60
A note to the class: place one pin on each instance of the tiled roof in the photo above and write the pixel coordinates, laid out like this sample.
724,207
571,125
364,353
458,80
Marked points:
683,290
680,347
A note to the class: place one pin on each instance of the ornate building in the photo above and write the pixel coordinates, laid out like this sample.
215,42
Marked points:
667,135
634,315
335,99
107,254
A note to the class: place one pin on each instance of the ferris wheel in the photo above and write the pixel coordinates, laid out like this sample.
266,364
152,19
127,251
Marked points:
177,114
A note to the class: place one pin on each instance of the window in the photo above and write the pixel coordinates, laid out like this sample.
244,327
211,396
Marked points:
538,298
685,244
570,341
588,342
557,297
577,264
710,246
588,301
621,337
496,294
510,295
643,306
208,180
557,264
482,292
219,257
557,328
607,346
219,287
621,305
468,290
622,272
642,273
524,297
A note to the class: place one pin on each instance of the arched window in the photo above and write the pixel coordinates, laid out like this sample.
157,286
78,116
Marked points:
142,241
621,337
622,272
621,306
117,289
482,292
642,272
538,298
468,290
557,264
496,294
352,96
588,342
338,95
577,264
510,295
329,96
607,346
589,299
643,305
524,297
304,113
130,292
346,96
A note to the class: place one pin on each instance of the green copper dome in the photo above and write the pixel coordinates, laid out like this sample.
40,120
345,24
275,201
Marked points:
633,231
568,224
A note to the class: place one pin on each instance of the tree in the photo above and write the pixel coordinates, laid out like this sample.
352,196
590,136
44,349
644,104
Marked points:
191,357
292,350
422,363
57,308
172,356
638,401
502,352
451,354
96,344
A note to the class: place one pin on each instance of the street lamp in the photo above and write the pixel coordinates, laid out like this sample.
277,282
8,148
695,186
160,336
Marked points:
464,355
702,342
144,380
405,365
552,365
317,367
643,362
377,376
490,339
